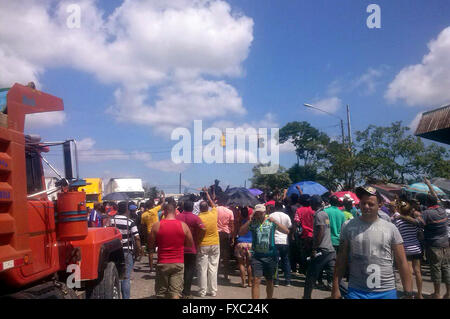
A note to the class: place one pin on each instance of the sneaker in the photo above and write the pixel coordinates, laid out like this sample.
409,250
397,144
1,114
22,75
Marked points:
287,284
212,294
276,284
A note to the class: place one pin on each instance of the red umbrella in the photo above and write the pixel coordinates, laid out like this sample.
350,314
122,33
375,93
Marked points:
341,196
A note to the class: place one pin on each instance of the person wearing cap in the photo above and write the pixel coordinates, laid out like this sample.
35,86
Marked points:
263,251
130,242
368,247
148,219
323,255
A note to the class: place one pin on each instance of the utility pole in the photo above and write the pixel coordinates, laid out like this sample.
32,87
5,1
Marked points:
245,184
342,130
349,127
351,181
179,190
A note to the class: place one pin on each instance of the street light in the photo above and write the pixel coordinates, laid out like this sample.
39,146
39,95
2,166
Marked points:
342,122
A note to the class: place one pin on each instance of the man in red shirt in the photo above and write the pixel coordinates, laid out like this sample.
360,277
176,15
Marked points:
170,236
304,219
198,230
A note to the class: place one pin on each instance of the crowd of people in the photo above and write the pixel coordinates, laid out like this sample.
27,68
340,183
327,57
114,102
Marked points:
349,249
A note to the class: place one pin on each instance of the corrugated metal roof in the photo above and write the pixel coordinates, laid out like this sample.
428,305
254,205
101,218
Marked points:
435,125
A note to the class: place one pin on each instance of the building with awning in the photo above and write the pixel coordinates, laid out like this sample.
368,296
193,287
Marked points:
435,125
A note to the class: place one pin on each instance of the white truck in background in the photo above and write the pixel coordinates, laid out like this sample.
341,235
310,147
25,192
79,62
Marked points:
131,186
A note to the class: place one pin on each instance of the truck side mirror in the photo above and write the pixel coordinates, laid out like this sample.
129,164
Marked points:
67,161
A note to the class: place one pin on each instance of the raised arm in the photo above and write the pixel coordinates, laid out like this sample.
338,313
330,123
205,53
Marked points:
280,227
211,203
244,228
432,191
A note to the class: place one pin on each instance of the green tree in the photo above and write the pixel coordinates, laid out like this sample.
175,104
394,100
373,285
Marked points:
298,173
309,142
389,154
274,182
340,167
150,191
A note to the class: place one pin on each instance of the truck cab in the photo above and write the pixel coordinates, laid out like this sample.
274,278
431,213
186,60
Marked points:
46,248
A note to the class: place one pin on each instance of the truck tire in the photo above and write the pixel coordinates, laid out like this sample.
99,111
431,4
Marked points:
108,285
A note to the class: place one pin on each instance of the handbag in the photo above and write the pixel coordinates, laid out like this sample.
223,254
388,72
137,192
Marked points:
420,234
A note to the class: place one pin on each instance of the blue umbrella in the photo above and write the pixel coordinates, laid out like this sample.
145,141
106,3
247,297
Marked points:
255,191
423,188
307,187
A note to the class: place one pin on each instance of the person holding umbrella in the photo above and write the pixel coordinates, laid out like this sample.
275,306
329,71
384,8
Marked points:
263,251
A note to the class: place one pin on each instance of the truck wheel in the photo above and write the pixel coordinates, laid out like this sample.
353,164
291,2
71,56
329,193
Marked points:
108,286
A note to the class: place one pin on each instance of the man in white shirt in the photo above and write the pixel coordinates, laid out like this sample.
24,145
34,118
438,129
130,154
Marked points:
281,242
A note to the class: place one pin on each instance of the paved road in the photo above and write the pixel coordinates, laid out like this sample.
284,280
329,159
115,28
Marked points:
143,284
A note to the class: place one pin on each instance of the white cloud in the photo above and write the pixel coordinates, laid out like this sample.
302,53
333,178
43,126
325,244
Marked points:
415,122
167,47
88,153
334,88
185,183
237,154
268,121
179,104
166,166
141,156
428,82
287,147
40,120
369,80
331,105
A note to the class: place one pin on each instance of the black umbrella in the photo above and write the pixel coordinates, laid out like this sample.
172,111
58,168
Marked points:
186,197
116,196
239,196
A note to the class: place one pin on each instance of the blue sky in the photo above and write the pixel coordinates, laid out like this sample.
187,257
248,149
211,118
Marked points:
272,57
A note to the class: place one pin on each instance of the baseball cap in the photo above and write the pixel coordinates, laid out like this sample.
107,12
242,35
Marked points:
132,207
260,208
366,190
347,197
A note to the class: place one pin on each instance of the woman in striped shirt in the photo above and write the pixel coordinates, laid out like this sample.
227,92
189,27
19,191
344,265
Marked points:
411,243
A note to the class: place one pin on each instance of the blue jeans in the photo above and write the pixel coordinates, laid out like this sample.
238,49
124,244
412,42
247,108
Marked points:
326,262
283,258
125,283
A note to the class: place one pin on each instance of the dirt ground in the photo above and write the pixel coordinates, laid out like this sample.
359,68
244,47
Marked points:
143,284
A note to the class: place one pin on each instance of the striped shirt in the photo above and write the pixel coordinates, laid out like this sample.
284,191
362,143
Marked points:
409,235
120,222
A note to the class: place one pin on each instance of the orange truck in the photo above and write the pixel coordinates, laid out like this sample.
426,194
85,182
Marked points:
46,247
